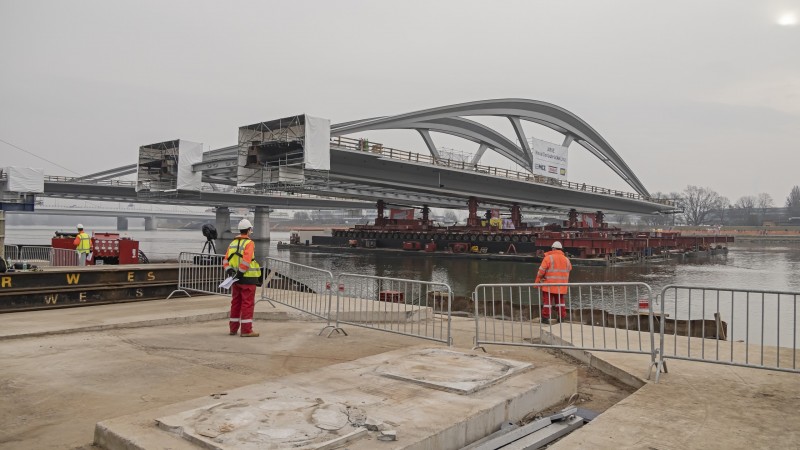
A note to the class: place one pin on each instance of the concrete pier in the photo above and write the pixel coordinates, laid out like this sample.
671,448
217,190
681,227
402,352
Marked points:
122,223
223,225
151,223
261,230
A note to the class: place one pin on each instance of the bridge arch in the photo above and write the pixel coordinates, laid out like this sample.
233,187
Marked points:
451,120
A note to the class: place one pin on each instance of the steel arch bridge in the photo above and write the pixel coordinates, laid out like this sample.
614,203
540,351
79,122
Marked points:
452,120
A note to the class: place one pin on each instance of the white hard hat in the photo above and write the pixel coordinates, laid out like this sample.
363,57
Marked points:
557,244
244,224
80,226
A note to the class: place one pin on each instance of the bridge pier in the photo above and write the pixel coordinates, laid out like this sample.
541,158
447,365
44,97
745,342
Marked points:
151,223
122,223
261,231
223,225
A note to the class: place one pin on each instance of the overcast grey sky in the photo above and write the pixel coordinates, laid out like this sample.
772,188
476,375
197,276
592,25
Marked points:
687,92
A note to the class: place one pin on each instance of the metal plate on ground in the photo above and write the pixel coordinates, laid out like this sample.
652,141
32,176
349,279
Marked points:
450,371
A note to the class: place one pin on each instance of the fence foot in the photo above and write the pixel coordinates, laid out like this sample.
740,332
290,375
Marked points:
266,300
333,329
480,347
178,290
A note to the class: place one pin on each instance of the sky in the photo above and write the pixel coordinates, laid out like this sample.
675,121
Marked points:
688,93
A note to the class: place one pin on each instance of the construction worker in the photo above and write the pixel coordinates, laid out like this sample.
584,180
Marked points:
240,263
83,245
555,269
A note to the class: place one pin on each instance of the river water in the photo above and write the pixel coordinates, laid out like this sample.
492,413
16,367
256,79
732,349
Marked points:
747,266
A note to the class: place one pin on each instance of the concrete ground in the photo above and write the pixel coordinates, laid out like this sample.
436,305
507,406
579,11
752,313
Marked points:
62,371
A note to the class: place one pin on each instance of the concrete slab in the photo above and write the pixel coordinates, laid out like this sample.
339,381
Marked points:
327,407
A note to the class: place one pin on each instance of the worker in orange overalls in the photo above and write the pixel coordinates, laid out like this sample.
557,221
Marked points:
555,269
240,263
83,245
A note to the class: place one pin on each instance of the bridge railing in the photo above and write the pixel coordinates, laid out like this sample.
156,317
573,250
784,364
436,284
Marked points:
366,146
111,182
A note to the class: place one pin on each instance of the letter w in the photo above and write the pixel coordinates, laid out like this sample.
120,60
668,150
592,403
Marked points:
72,278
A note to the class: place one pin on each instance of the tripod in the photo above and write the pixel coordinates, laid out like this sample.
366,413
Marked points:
209,247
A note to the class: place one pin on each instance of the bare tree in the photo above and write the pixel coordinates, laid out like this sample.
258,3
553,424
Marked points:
793,202
744,210
697,202
763,202
719,214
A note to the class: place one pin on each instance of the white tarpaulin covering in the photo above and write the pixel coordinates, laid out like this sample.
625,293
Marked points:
318,143
189,153
549,159
25,179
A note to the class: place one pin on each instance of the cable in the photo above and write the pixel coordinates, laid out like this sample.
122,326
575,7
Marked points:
37,156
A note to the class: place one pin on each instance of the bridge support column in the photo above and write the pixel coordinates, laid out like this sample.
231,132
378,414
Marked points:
151,223
122,224
261,231
223,225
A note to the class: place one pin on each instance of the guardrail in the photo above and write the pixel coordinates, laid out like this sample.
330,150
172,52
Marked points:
42,256
613,317
301,287
408,307
11,252
200,272
737,327
404,155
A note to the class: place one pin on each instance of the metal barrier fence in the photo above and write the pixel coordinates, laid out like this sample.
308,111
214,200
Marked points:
304,288
43,256
11,252
408,307
737,327
200,272
614,317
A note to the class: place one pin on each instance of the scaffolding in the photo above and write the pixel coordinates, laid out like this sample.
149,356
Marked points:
289,154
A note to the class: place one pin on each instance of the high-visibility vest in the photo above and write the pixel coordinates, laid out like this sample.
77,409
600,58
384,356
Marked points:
234,258
554,269
85,245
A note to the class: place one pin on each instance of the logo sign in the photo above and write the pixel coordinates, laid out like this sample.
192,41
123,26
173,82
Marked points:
401,214
549,159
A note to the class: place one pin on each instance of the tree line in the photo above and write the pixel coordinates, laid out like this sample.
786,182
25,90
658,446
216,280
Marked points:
703,206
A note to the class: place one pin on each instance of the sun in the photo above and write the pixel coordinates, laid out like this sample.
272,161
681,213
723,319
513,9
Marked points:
787,19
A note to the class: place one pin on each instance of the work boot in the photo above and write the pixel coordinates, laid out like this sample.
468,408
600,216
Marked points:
251,334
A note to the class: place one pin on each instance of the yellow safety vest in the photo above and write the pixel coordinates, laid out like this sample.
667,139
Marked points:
85,246
234,256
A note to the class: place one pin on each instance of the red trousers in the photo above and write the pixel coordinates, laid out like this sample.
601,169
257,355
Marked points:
553,301
243,301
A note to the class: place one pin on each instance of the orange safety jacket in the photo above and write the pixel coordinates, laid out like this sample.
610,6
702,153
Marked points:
554,269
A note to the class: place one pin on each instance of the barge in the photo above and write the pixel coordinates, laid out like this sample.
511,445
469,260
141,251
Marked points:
584,237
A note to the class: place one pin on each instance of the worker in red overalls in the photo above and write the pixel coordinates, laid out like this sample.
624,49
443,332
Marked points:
240,263
555,269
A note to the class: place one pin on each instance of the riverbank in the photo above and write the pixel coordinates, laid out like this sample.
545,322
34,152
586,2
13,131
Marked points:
67,370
